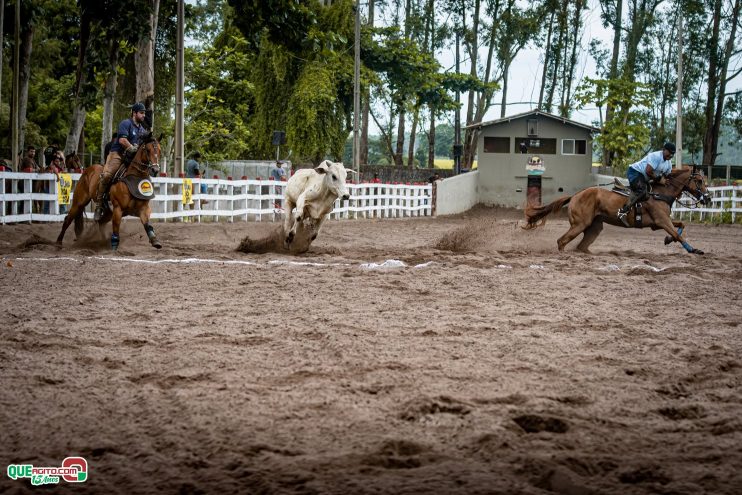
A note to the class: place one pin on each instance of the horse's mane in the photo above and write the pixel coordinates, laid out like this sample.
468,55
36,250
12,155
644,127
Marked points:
675,172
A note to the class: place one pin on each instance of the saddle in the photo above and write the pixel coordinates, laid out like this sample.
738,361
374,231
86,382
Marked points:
619,187
139,187
624,190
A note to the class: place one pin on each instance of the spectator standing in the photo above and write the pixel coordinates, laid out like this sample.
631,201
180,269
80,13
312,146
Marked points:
193,171
28,162
277,172
376,179
29,165
55,166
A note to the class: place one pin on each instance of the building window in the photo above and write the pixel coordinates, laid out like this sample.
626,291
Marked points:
532,127
574,146
496,144
540,146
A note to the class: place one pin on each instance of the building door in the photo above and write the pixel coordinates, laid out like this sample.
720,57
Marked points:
533,192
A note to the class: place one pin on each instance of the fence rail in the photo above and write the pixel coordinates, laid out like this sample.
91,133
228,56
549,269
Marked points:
28,197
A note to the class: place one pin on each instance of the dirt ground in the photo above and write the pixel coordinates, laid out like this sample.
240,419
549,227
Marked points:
488,363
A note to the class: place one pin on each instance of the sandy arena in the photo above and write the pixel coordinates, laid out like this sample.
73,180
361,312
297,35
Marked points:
490,363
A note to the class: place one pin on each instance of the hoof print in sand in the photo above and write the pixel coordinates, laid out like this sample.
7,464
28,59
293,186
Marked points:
399,454
532,423
419,408
644,475
678,413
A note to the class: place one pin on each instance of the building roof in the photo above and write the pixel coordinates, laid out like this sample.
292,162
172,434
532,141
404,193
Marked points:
533,113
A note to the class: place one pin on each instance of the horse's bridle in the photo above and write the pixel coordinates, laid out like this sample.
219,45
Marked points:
696,177
148,166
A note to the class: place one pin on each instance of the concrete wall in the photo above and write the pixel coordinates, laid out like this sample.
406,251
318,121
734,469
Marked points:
457,194
503,176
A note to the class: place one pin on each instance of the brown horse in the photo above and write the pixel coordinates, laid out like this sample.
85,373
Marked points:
589,208
123,202
72,162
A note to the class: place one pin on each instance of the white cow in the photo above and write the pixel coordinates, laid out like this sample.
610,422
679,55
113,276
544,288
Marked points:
313,193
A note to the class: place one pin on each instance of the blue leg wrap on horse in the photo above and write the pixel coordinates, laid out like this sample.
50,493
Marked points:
114,241
687,247
150,230
680,230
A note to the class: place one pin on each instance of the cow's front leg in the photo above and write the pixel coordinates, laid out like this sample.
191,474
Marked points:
288,218
318,225
300,205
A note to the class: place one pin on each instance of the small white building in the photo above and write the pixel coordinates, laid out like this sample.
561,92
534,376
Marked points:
506,146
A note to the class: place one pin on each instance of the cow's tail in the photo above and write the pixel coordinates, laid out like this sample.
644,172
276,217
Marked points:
534,214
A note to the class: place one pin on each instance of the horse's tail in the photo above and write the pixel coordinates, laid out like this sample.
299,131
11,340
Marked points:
536,213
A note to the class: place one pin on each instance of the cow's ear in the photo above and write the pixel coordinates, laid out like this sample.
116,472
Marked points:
322,168
162,134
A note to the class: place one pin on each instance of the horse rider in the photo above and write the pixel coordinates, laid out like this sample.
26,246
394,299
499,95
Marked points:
126,144
655,167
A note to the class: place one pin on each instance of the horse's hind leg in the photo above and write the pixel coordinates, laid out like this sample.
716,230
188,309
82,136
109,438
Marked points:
591,233
144,217
573,232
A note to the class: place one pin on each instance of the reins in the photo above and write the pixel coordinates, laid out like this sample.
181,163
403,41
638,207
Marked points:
141,167
694,200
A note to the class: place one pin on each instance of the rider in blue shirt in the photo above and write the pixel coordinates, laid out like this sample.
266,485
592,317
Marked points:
129,133
655,166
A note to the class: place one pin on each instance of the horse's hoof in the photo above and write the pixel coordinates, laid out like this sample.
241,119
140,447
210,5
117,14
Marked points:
314,236
156,245
697,251
668,239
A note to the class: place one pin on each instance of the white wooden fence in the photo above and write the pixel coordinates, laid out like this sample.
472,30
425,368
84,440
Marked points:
230,200
259,200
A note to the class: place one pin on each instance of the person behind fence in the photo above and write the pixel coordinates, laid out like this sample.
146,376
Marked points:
376,179
278,174
193,171
655,167
54,166
125,146
435,177
28,162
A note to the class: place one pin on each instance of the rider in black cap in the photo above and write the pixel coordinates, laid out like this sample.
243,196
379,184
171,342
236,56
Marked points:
127,141
655,166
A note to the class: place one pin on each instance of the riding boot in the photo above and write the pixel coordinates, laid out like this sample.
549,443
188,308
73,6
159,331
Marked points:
624,210
105,180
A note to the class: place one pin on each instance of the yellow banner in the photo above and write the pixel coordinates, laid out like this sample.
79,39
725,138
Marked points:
65,189
187,191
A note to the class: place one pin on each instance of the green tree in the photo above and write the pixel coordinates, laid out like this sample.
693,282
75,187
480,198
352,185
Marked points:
303,74
626,134
219,98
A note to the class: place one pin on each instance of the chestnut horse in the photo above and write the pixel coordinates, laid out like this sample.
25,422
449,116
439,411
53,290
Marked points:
589,208
72,162
145,160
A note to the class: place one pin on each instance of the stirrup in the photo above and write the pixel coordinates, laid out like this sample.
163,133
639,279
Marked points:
623,216
98,212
